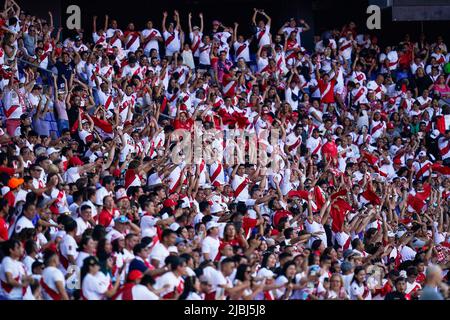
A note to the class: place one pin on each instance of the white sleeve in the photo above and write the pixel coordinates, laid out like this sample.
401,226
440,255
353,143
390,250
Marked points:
8,265
206,247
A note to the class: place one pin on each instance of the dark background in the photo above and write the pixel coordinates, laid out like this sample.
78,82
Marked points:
320,14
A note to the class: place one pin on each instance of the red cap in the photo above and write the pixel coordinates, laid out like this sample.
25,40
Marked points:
75,161
135,275
390,125
391,101
169,203
217,184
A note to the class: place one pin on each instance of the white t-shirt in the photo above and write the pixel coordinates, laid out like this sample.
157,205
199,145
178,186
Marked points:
80,258
160,253
211,245
94,287
100,194
50,276
170,279
152,44
23,223
68,247
17,270
358,290
141,292
81,226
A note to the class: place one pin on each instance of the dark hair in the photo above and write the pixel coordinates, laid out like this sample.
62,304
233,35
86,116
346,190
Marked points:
240,272
167,232
70,225
203,206
189,286
265,259
138,248
30,246
174,262
148,279
225,261
48,254
358,269
84,241
10,245
99,232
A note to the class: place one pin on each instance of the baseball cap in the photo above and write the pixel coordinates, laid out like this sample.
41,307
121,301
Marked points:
135,275
347,253
121,194
121,219
169,203
195,28
422,154
390,125
52,150
116,235
346,266
13,183
172,249
211,225
91,261
215,208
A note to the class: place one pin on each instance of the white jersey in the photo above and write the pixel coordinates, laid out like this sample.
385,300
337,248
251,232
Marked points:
18,272
50,276
172,42
263,35
152,43
242,50
94,287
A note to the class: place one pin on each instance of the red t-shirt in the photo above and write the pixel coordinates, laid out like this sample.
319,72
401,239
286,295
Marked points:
105,217
187,125
7,170
326,90
11,198
3,229
329,150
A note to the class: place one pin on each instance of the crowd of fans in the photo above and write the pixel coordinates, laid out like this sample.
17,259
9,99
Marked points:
346,197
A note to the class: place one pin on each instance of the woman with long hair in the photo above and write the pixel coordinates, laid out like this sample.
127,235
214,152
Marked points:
244,276
191,289
358,286
95,285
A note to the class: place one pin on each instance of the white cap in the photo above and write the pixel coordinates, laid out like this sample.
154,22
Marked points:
215,208
173,249
391,234
206,186
422,154
211,225
121,193
52,150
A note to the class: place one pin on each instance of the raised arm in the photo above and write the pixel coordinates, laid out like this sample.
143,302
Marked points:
254,16
201,22
306,26
94,24
177,18
163,26
189,22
